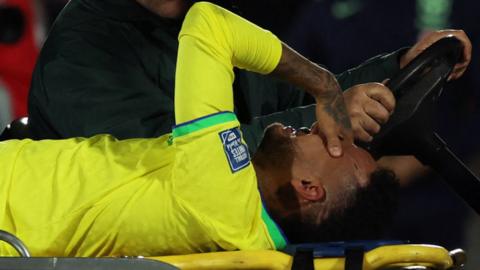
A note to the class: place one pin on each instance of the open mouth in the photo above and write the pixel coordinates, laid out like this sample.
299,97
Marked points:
292,132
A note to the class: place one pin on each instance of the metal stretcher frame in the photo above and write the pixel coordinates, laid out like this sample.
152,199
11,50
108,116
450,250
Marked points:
397,256
433,257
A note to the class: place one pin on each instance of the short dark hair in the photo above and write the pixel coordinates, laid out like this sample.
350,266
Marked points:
365,218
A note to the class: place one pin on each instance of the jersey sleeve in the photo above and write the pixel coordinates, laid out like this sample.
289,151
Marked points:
213,41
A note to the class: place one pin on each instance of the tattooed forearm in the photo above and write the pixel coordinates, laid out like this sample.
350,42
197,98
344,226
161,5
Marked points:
334,105
300,71
317,81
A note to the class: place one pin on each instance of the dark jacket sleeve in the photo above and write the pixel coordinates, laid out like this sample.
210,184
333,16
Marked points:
89,80
375,69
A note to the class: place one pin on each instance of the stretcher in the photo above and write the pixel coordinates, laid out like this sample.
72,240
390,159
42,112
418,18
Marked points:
357,255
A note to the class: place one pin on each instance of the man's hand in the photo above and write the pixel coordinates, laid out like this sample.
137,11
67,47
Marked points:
333,123
332,117
428,39
369,105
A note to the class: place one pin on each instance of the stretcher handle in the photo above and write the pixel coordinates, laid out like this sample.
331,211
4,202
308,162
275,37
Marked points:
455,173
15,243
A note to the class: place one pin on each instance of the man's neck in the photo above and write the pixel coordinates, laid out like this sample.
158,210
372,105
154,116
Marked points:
262,177
166,8
268,184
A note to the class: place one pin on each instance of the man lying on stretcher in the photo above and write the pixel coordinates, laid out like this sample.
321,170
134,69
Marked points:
198,190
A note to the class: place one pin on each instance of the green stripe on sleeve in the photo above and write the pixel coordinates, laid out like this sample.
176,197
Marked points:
277,237
204,122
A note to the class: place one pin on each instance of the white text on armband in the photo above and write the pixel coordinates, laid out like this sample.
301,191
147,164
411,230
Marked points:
235,150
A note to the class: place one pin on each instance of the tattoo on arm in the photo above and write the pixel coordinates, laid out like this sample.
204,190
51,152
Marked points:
317,81
334,106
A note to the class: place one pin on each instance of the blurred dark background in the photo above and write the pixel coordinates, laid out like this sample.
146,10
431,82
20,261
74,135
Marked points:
338,34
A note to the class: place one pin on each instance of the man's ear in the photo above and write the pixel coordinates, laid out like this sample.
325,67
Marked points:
309,190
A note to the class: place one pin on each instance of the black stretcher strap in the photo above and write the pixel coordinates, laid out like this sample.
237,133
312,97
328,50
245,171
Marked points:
354,258
303,259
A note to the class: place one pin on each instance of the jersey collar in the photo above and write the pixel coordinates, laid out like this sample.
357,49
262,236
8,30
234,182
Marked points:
276,233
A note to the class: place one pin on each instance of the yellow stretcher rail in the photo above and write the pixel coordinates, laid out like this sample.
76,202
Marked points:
430,256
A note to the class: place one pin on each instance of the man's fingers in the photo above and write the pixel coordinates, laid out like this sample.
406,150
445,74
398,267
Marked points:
467,44
330,133
383,95
331,137
429,38
364,128
362,135
334,145
462,36
369,125
369,105
458,71
461,67
376,111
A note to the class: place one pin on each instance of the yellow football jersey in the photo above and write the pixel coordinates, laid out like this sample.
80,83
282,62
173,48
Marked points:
192,191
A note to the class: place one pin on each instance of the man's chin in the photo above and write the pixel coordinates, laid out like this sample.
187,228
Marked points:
277,130
274,127
273,134
276,146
